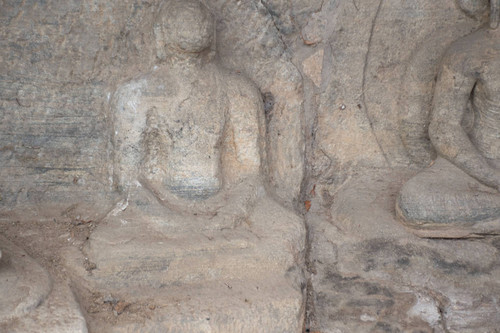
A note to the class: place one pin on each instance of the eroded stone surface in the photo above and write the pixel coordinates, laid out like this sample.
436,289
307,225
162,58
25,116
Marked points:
30,302
25,284
363,104
240,278
189,159
458,195
372,274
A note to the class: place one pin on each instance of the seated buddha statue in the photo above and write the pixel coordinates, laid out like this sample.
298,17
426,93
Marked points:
458,195
189,158
189,132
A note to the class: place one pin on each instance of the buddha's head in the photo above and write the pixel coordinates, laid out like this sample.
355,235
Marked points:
479,8
183,27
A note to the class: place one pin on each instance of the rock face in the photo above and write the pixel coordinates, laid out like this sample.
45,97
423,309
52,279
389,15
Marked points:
199,278
170,164
196,220
25,284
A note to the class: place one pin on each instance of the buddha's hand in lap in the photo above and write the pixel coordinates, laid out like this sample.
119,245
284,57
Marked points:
232,206
225,209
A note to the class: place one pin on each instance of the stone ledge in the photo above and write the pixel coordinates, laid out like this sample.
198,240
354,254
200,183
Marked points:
243,279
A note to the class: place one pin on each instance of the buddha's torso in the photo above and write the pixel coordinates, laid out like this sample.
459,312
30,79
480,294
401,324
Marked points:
191,113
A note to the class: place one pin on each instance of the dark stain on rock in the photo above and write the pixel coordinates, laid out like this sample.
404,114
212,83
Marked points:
496,243
337,279
371,302
403,262
385,327
375,289
370,265
455,266
268,99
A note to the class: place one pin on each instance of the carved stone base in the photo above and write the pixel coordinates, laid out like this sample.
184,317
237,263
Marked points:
197,277
29,302
372,274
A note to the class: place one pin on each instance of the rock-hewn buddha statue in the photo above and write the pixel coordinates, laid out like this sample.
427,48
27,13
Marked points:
190,132
459,194
189,154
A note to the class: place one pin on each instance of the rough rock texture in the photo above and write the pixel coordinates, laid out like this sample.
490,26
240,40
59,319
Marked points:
25,284
378,69
368,110
257,48
371,274
198,278
78,52
346,87
190,160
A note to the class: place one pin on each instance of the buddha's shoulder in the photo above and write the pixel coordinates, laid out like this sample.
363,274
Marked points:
237,83
147,84
471,45
467,54
134,85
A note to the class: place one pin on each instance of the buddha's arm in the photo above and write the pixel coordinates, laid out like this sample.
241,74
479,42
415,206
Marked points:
244,138
452,93
242,147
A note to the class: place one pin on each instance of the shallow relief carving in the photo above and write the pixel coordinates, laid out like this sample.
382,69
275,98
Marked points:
31,299
368,271
189,159
458,195
178,163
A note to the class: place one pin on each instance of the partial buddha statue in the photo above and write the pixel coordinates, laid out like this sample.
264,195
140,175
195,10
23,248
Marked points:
459,194
24,284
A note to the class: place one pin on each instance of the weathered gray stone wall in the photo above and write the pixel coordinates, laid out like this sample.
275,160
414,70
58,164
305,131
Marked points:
371,70
61,61
349,81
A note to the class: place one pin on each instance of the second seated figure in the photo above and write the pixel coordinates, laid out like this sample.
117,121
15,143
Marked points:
459,194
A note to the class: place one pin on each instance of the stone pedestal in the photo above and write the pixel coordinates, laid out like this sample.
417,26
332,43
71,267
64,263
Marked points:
198,277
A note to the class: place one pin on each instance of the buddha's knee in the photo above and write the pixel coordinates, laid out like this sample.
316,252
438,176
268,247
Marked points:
411,201
434,200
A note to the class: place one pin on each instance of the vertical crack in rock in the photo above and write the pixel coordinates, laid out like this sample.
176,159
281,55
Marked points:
355,5
278,30
311,125
442,312
363,95
310,312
